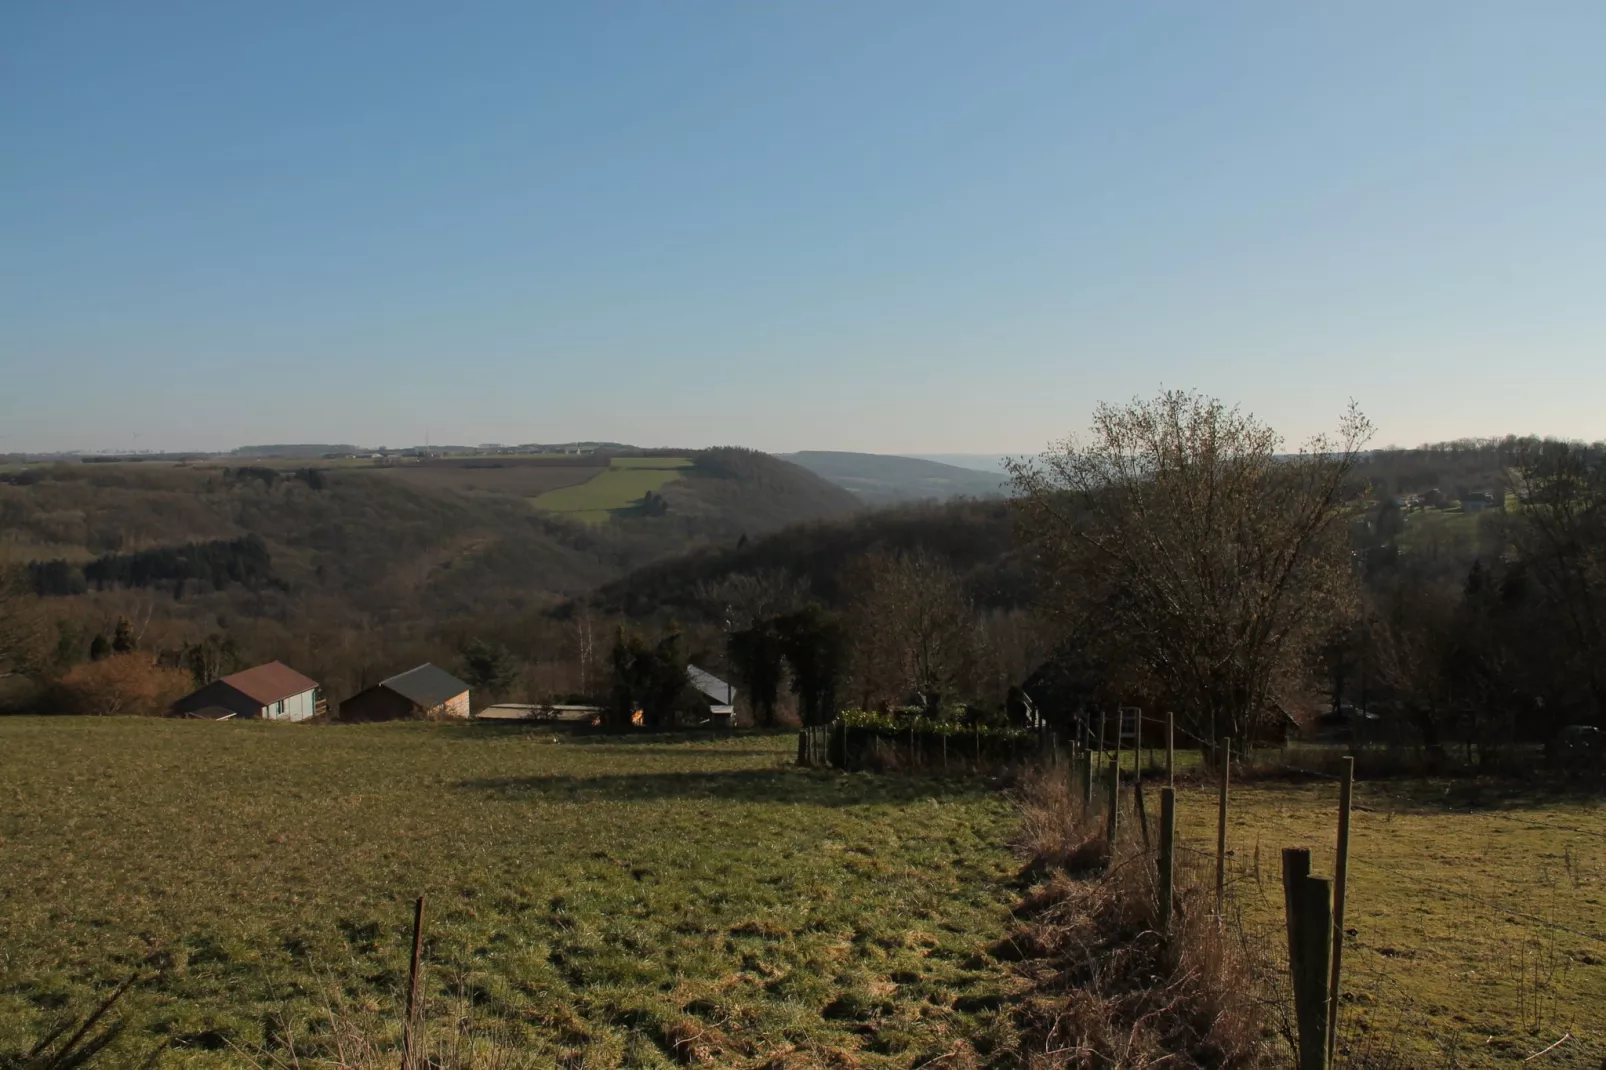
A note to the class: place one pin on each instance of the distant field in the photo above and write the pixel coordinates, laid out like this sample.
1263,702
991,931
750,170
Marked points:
495,476
595,901
626,481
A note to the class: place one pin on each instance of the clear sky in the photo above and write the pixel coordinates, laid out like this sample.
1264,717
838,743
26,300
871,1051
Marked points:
888,226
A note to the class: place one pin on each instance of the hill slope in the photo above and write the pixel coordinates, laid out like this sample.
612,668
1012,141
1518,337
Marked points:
883,479
976,537
354,568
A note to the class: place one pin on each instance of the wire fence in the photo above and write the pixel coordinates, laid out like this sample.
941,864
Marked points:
1460,948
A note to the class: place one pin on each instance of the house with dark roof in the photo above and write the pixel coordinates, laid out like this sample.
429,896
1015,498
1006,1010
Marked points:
271,692
427,693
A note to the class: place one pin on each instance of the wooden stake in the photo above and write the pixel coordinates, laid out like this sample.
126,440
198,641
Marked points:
1168,847
1221,829
1142,811
1308,903
1170,751
413,1007
1113,822
1346,794
1087,783
1101,740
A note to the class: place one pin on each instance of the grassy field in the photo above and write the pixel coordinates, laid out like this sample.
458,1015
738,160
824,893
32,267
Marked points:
1479,915
595,901
493,475
618,486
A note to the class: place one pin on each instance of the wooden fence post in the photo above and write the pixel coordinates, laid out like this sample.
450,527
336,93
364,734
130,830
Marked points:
1168,848
1101,741
1170,750
1309,906
1221,829
1113,821
1142,811
413,1006
1346,794
1087,782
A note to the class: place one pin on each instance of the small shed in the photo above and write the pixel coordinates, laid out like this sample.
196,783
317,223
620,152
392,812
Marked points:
427,693
271,692
721,696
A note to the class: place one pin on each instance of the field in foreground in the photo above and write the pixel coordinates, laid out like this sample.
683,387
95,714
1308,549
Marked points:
593,902
1476,917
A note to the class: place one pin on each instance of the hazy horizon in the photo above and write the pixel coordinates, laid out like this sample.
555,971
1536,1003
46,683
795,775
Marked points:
887,229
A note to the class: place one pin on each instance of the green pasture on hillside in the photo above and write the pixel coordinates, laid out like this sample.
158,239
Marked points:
590,901
625,482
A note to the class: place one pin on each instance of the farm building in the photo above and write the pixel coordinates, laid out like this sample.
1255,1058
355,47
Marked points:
721,696
271,692
426,693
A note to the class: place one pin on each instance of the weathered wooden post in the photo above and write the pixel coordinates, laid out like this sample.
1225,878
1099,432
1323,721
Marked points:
1113,821
1137,743
1101,740
1340,882
1221,828
1308,903
1168,848
1142,811
1087,782
409,1051
1170,750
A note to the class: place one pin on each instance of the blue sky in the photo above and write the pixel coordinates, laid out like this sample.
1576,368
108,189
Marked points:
898,227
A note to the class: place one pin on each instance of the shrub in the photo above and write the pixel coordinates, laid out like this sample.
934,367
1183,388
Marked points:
130,684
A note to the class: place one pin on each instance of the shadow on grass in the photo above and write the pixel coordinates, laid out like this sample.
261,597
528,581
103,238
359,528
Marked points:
792,786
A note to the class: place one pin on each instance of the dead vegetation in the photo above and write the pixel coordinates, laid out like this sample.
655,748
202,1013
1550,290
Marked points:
1106,988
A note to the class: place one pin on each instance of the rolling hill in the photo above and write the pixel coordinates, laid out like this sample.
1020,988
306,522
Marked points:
883,479
344,566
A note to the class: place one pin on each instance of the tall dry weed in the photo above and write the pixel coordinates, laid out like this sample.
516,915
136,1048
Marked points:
1107,989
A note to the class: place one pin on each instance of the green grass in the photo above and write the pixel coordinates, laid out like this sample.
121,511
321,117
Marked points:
595,899
1479,915
618,486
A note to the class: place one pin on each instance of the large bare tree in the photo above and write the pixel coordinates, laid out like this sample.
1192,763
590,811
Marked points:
915,629
1181,536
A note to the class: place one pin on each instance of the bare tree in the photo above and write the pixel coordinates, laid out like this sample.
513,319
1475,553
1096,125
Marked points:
741,599
914,629
1195,547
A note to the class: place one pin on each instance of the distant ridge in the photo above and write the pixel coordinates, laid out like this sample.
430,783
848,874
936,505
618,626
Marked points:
981,462
885,479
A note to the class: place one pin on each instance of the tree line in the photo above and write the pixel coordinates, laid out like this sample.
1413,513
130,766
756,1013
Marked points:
213,564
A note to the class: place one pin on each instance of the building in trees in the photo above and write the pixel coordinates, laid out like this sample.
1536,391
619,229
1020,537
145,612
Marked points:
425,693
271,692
721,696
